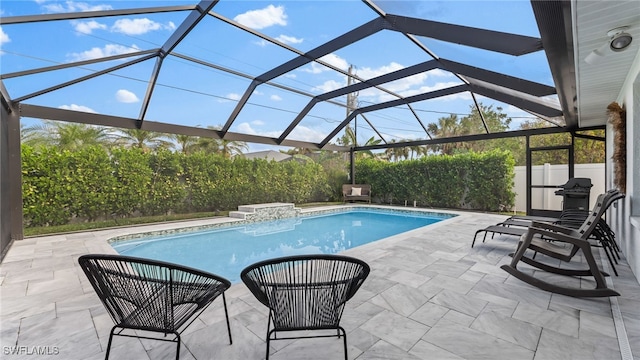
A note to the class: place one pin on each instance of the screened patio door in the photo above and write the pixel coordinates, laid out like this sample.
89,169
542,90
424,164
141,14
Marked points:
548,168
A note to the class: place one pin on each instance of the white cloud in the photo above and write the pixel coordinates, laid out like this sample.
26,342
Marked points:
135,26
331,59
304,133
108,50
275,98
72,6
426,89
75,107
87,27
301,133
329,85
246,128
289,39
261,43
4,38
126,96
260,19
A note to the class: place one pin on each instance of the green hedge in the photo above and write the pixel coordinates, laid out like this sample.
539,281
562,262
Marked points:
478,181
91,183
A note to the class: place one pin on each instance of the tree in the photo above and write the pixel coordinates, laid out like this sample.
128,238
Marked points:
348,138
496,121
143,139
64,135
397,153
226,148
445,128
185,142
586,151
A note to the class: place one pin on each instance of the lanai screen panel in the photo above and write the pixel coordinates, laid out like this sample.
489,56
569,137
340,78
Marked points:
226,46
304,25
206,102
320,121
291,51
269,111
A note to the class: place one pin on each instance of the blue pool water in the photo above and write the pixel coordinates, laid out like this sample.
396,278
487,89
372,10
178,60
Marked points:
226,251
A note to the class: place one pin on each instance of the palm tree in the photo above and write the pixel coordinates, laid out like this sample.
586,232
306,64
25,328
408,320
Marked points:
349,137
228,148
143,139
446,127
417,150
397,153
368,153
66,136
185,142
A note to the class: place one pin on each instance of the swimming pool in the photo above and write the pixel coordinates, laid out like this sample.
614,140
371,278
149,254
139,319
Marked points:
227,250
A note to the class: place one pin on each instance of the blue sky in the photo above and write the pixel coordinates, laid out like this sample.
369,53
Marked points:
191,94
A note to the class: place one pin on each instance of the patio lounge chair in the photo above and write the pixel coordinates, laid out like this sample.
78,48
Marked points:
563,243
306,292
153,296
517,225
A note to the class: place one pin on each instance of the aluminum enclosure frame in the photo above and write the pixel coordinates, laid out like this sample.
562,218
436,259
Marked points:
553,18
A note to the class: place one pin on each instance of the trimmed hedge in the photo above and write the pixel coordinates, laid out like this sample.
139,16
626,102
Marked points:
478,181
91,183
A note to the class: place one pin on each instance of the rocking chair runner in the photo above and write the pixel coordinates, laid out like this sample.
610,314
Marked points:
306,292
149,295
543,238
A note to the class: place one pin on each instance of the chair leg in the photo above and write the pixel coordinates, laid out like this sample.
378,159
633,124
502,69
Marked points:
344,340
106,356
178,348
269,331
226,314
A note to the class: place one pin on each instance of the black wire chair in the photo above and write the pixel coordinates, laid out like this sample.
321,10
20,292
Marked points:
149,295
306,292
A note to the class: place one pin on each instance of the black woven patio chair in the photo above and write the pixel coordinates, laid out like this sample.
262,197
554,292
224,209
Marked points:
306,292
153,296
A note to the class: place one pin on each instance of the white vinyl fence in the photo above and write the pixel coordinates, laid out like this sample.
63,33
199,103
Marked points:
554,175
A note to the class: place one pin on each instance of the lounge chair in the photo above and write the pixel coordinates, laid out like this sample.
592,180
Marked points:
151,296
517,225
306,292
564,243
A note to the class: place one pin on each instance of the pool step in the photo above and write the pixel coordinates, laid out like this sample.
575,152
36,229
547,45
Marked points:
269,211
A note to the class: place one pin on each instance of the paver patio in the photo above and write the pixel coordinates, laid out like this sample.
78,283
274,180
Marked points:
429,296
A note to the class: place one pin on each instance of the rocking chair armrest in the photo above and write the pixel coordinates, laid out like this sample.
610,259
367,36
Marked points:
558,236
555,228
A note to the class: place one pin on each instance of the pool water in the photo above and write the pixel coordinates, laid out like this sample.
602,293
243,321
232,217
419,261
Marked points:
226,251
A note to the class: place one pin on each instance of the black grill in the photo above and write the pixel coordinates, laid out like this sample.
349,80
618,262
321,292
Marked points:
575,193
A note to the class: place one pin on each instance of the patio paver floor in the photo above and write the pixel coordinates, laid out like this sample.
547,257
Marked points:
429,296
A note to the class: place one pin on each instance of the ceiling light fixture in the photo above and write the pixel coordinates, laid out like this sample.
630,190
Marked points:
620,41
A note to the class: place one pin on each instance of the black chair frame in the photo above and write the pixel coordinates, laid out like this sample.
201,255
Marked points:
153,296
563,243
305,292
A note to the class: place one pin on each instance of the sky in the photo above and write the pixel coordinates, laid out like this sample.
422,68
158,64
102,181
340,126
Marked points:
189,93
